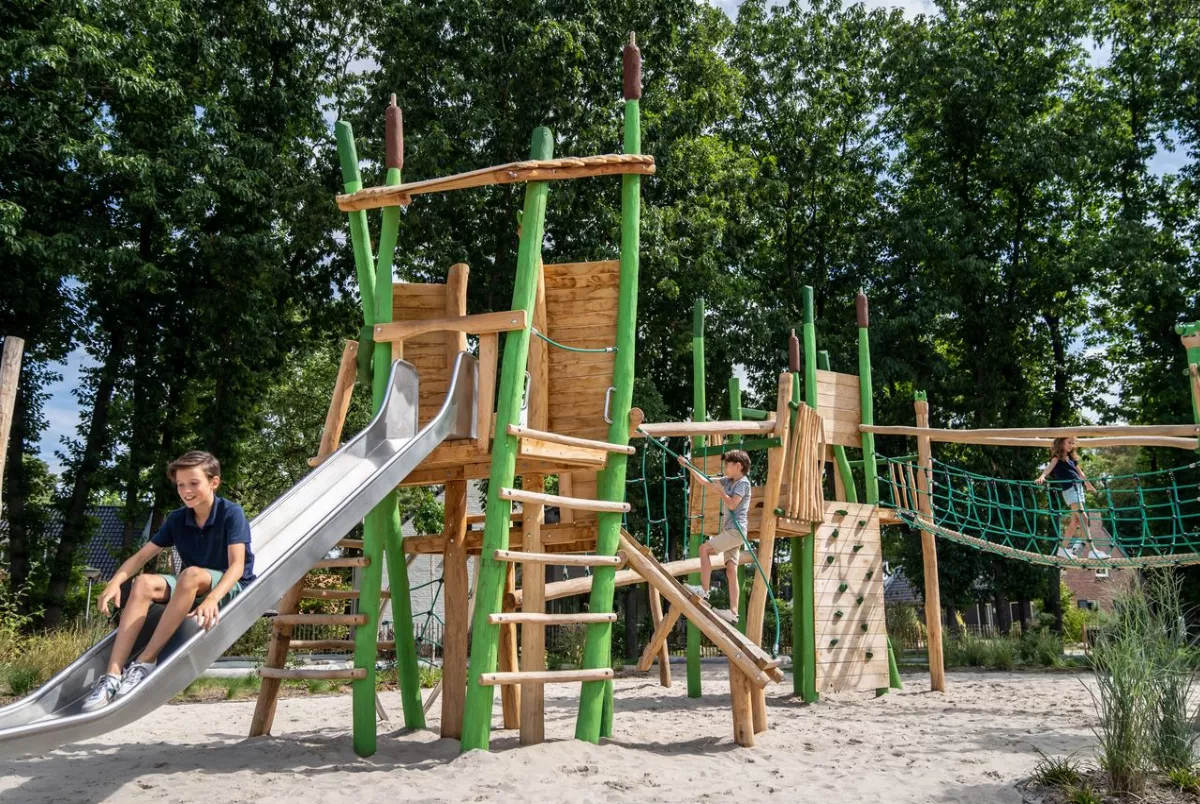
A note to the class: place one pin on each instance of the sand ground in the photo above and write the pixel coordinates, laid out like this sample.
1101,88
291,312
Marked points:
970,744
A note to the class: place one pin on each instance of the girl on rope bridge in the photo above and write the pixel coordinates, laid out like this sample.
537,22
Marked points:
734,490
1071,482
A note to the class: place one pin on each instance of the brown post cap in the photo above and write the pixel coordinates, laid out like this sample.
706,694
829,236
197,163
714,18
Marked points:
793,352
860,307
394,135
632,69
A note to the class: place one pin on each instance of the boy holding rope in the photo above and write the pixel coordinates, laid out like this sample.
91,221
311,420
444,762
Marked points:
734,490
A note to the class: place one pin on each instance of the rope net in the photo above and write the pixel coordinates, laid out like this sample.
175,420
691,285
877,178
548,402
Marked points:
1136,520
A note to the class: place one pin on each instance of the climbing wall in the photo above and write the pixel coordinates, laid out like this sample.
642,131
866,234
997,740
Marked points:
851,633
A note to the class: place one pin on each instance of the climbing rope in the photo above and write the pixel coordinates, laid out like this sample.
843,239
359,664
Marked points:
564,346
683,477
1150,518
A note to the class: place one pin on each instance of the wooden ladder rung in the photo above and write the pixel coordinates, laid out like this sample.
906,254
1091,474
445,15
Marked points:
339,594
569,441
332,563
537,618
333,644
576,503
545,677
559,559
320,619
351,544
349,674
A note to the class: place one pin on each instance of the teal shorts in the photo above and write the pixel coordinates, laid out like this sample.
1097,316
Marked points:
216,576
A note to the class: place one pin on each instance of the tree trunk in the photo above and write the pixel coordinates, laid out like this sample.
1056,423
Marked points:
952,623
1053,599
75,520
17,494
1060,397
1003,615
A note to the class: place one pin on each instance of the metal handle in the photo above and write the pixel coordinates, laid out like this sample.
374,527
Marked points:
525,397
607,401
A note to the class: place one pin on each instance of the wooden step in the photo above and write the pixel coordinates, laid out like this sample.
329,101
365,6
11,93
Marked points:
333,644
545,677
351,544
559,559
333,563
539,445
576,503
339,594
350,674
319,619
517,617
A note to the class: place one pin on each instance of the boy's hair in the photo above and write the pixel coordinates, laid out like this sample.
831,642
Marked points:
1058,449
204,460
738,456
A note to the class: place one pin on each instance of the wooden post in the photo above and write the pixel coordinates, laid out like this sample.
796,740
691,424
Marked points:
339,401
456,589
277,652
663,655
533,635
10,373
510,694
933,596
594,719
757,603
740,699
485,637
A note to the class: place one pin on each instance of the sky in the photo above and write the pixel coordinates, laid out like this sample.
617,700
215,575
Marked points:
62,410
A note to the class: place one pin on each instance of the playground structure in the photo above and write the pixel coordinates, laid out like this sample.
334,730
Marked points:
556,403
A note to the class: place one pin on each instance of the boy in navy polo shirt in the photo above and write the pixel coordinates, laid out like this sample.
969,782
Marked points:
212,537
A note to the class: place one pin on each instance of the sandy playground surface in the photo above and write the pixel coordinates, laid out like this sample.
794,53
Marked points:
968,745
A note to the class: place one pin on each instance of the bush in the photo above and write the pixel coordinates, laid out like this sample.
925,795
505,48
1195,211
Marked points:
254,642
1172,652
1040,647
905,625
22,680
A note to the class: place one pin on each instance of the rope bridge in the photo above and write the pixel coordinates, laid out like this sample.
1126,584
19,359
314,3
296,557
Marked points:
1151,519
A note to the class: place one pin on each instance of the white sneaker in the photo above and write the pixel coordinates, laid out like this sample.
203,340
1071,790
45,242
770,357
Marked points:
103,691
727,615
1095,553
1064,553
697,590
134,674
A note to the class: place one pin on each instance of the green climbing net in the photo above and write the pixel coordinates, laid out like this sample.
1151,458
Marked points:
1143,519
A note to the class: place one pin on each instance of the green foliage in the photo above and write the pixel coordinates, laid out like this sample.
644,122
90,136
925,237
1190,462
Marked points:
430,676
1055,772
1185,779
1084,795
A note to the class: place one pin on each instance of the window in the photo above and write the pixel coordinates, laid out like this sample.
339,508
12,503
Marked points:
1086,604
1102,573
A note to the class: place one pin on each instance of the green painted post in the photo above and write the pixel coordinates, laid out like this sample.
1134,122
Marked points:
1190,335
735,413
699,414
870,481
610,485
485,637
365,636
804,637
839,452
389,519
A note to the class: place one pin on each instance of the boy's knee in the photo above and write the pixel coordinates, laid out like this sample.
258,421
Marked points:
144,584
193,576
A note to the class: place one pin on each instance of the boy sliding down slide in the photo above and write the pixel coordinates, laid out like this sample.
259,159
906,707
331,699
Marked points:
734,491
213,540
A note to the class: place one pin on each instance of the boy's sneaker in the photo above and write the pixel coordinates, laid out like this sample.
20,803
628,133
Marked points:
1064,553
697,590
727,615
103,691
1097,553
134,674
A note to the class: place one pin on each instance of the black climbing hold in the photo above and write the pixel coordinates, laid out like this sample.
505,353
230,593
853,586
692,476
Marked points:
828,559
834,534
837,614
860,600
842,587
841,512
864,626
870,655
857,547
832,642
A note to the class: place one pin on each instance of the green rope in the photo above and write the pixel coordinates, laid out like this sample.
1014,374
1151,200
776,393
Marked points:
1152,517
745,541
579,349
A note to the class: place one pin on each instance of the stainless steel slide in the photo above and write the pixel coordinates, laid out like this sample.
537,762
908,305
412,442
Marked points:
291,535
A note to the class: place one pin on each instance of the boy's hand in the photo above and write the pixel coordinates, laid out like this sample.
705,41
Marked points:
1040,480
206,614
111,594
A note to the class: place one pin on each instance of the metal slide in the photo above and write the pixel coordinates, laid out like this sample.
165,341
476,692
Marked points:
289,537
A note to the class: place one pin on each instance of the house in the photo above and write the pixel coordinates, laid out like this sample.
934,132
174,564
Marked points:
1096,588
102,551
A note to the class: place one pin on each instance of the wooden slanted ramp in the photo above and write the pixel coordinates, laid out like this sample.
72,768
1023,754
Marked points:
750,667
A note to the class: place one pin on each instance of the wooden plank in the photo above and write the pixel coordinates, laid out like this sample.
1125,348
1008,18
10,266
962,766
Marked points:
513,172
559,270
664,659
545,677
341,594
339,401
566,487
565,317
577,503
559,559
336,644
533,636
656,647
342,563
456,631
478,324
565,282
582,586
691,429
838,397
974,436
349,674
319,619
558,438
833,382
417,293
489,346
536,449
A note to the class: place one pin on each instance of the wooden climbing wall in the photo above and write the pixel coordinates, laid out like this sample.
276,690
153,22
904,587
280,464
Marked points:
840,406
581,311
851,633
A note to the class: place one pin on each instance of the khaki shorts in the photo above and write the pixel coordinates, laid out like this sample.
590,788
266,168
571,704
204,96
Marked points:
729,543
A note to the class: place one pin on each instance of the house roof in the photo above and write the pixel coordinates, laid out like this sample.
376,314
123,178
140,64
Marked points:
898,589
102,549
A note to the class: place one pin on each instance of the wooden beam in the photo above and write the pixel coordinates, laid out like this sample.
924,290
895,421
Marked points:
348,674
10,374
570,441
320,619
456,308
538,363
982,436
545,677
479,324
692,429
658,640
538,450
740,700
489,353
510,173
664,658
933,595
539,618
533,635
578,503
510,696
559,559
456,589
581,586
277,651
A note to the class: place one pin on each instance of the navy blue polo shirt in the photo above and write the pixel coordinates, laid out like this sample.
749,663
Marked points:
208,547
